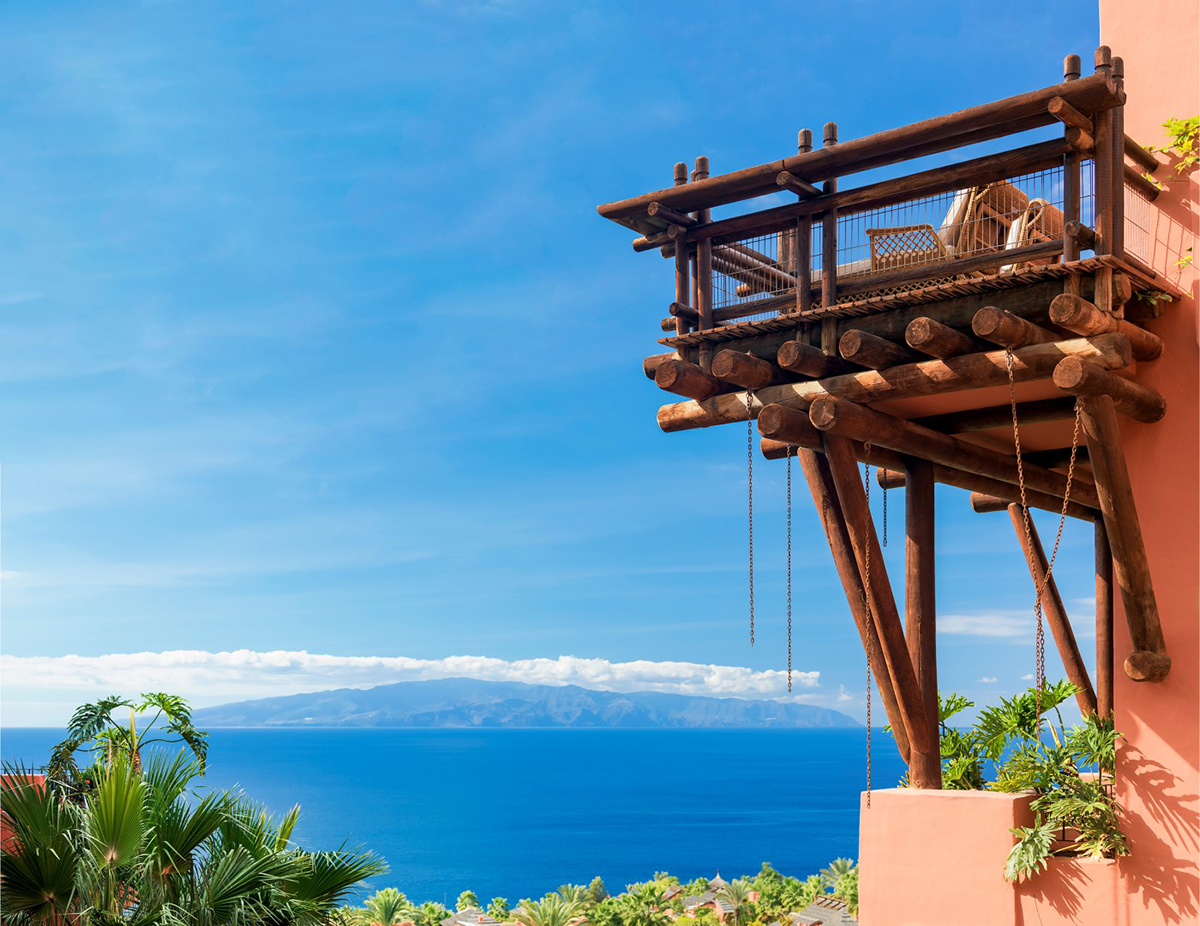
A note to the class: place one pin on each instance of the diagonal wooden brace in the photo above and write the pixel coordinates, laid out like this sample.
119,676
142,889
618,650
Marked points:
1149,662
844,468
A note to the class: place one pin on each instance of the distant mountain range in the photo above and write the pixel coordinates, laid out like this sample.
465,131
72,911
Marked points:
465,702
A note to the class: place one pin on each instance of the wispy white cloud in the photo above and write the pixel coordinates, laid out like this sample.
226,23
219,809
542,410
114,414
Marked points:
1004,625
214,677
989,680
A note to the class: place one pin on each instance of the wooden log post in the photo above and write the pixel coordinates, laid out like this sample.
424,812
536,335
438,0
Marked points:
745,370
999,416
920,609
1149,661
703,280
1076,314
843,417
688,379
682,260
876,353
1001,327
890,635
1055,612
829,510
829,237
1072,173
1104,623
802,358
937,340
1081,378
1105,206
1117,141
803,250
929,377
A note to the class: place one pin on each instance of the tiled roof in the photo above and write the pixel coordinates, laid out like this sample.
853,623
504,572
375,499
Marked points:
825,911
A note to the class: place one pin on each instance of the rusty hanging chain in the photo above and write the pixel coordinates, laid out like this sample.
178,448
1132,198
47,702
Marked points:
750,503
885,515
1039,585
870,636
789,567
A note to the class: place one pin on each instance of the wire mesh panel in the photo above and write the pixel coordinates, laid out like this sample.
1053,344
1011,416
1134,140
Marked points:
758,273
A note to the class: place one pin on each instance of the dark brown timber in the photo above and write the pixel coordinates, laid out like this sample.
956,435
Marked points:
794,184
1064,112
843,417
999,416
783,427
920,609
941,133
1082,317
654,361
929,377
876,353
687,379
1140,156
668,214
829,509
1079,377
937,340
829,240
745,370
1002,327
1135,179
807,360
1104,623
1149,661
861,530
1056,613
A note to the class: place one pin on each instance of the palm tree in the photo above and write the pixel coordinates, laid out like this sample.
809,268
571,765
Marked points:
93,729
387,907
551,910
575,894
835,869
735,898
143,849
644,905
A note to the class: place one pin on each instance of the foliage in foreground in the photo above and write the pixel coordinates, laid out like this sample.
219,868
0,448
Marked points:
1010,739
144,848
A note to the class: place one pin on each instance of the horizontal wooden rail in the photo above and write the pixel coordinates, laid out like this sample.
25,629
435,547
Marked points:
942,133
1140,156
986,169
1134,178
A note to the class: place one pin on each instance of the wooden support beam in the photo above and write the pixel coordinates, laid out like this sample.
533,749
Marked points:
937,340
792,431
1080,140
650,242
920,610
876,353
1140,156
829,510
829,236
802,358
685,312
745,370
1057,457
1076,314
1055,612
1067,114
702,267
1134,177
1104,622
795,185
845,418
999,416
865,544
1002,327
688,379
1085,236
982,502
654,361
929,377
1080,378
667,214
1149,661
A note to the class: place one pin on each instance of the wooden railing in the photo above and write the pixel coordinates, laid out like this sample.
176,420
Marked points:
677,220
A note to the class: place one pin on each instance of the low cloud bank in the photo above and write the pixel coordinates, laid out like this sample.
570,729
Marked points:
42,689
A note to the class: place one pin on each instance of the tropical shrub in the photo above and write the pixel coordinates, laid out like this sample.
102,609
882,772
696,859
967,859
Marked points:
144,848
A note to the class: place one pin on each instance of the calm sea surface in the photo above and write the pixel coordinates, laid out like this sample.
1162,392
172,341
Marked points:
516,813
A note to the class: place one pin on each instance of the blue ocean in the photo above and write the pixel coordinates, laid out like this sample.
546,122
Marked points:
516,813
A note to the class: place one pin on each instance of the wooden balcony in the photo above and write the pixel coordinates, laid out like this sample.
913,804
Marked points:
904,322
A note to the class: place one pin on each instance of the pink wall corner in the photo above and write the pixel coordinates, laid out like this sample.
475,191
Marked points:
1158,769
936,858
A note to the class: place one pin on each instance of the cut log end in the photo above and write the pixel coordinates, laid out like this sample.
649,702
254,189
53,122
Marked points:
1145,666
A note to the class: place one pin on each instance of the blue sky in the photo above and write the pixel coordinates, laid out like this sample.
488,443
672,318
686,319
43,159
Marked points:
313,340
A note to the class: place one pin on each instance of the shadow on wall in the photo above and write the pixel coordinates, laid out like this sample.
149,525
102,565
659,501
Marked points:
1163,879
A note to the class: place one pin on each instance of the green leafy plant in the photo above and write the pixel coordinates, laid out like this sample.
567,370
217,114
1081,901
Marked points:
1182,143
